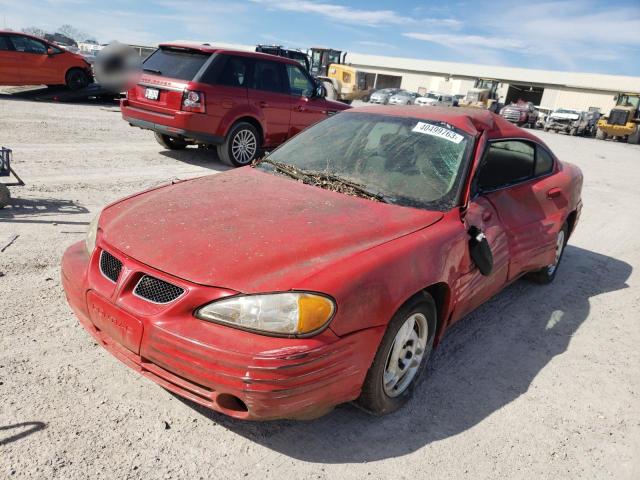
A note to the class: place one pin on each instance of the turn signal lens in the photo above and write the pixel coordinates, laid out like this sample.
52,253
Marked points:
193,101
290,313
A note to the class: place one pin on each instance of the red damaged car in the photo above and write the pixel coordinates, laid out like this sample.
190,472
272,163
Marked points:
327,272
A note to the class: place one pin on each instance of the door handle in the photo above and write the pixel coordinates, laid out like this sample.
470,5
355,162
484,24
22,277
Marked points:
263,104
486,215
301,108
554,193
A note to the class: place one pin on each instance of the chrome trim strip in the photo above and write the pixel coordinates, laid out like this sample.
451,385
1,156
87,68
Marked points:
162,86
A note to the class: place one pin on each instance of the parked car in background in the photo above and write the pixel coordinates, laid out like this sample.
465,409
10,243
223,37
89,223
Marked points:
562,120
521,113
240,102
573,122
382,96
329,271
433,99
403,98
29,60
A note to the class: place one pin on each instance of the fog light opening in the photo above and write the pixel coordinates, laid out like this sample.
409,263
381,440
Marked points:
231,402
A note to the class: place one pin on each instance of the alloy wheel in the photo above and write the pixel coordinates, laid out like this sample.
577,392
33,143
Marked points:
559,247
244,146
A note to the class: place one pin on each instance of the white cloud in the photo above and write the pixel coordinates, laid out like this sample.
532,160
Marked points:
345,14
467,41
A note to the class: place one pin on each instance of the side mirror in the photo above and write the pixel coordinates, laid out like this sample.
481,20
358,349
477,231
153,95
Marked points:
320,91
50,51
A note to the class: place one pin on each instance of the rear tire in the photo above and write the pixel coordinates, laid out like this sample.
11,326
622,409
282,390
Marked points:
600,135
387,386
241,145
548,273
170,143
76,79
634,138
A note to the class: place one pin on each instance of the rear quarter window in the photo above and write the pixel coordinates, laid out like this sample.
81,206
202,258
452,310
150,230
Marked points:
173,63
544,161
4,44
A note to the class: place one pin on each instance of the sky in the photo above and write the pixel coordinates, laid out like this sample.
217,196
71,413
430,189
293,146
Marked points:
581,35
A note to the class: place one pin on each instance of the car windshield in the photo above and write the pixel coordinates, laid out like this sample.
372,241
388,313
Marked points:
175,63
432,95
405,161
571,112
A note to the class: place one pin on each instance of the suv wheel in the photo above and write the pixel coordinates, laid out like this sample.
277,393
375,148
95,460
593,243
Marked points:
240,147
170,143
76,79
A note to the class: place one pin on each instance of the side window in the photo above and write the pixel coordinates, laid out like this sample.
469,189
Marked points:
544,161
269,76
28,45
4,43
299,83
506,163
234,73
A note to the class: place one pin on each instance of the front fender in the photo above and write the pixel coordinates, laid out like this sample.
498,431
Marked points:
372,285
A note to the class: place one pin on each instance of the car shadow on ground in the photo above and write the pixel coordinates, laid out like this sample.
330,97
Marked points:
59,94
485,361
200,157
19,430
25,210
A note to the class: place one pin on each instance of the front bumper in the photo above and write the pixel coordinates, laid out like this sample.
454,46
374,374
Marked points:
238,373
559,125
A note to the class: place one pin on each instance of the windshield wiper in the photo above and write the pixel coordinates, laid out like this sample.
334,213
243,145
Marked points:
151,70
326,180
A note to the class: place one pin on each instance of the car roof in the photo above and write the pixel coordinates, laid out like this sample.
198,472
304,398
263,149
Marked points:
471,120
206,48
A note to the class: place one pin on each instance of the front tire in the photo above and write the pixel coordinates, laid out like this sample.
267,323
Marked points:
548,273
401,357
600,135
241,145
170,143
76,79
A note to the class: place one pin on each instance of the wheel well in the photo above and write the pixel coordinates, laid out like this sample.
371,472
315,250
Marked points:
571,221
253,122
441,294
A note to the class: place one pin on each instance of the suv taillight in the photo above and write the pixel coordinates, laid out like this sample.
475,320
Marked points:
193,101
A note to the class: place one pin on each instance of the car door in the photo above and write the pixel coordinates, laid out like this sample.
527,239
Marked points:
269,92
306,108
36,66
472,288
10,71
516,176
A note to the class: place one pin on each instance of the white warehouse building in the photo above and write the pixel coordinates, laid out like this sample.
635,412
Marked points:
548,89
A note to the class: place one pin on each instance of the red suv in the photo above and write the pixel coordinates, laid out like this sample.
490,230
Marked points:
28,60
238,101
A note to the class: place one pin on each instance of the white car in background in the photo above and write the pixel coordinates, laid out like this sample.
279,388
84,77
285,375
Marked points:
432,99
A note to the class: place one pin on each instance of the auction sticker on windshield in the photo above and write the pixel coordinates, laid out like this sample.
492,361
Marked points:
436,131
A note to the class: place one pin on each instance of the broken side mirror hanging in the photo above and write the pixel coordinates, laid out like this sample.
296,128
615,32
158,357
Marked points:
480,251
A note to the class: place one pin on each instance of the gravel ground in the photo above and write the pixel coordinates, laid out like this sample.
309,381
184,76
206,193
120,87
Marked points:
541,382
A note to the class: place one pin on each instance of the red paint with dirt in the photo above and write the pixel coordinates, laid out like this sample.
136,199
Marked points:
212,239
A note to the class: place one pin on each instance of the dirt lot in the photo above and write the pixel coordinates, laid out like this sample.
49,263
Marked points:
542,382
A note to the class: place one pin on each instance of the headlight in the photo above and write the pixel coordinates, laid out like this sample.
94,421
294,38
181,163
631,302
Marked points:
92,232
291,313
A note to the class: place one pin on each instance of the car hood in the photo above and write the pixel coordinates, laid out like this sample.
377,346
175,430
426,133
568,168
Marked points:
564,116
251,231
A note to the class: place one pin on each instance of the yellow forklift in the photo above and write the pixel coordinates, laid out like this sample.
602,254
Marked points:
341,81
623,122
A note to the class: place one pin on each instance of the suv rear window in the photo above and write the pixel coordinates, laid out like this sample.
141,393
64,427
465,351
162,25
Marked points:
175,63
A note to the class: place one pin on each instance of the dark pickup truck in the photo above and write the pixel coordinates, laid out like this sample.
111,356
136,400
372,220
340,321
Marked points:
520,113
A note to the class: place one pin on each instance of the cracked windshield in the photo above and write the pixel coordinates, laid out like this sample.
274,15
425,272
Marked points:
405,161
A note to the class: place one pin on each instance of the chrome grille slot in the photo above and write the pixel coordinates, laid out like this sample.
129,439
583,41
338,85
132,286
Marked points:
110,266
157,291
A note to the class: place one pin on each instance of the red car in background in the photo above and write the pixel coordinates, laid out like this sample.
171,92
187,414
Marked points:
327,272
238,101
29,60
